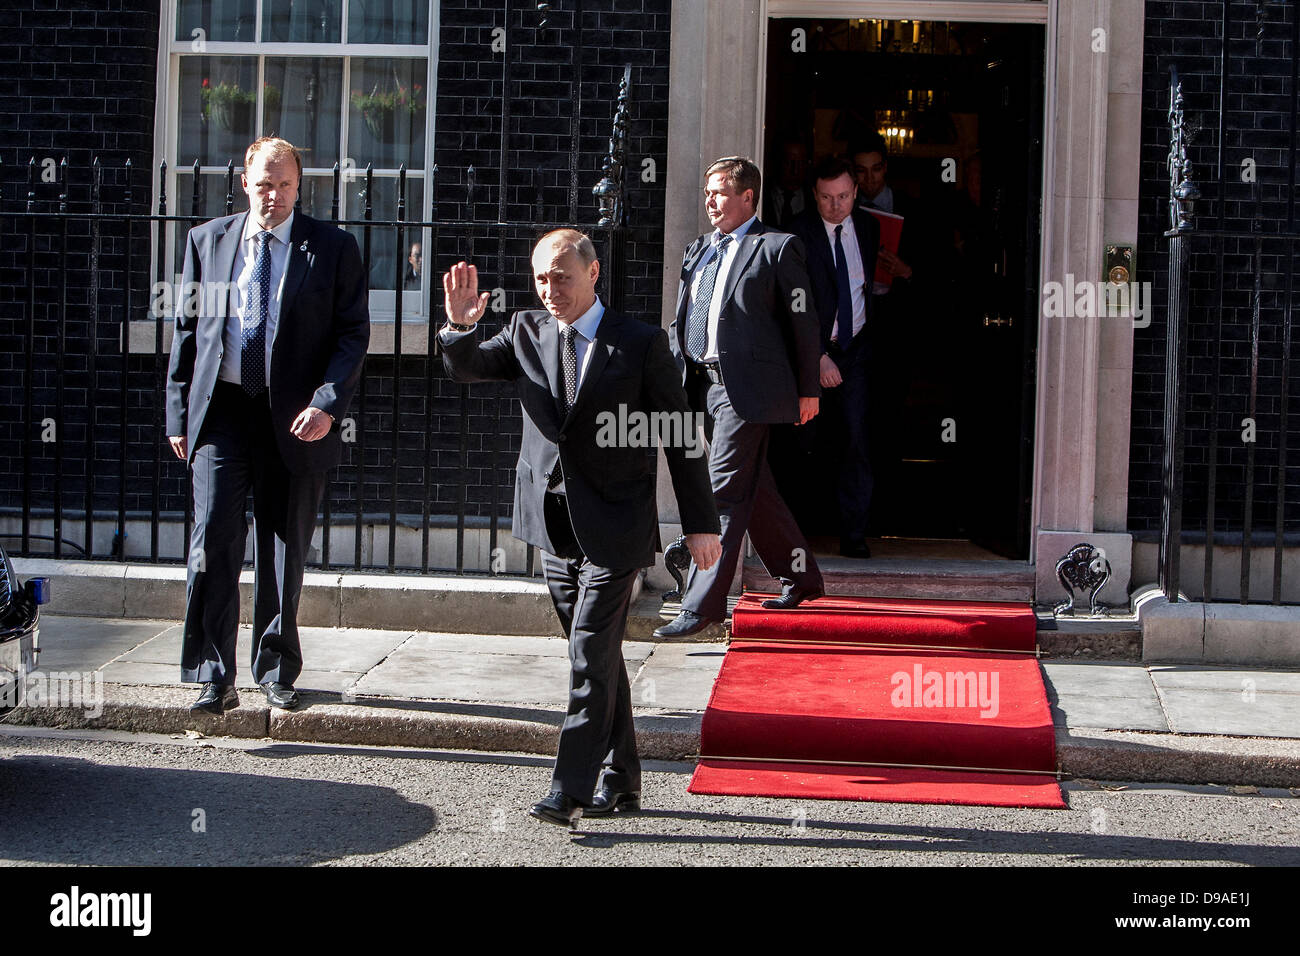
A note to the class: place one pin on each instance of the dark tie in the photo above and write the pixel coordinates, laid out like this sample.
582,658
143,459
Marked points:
697,326
570,366
787,208
252,353
844,308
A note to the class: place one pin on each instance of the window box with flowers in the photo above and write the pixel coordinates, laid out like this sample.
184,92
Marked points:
379,109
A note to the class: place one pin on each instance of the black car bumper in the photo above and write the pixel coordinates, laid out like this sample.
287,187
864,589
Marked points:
20,625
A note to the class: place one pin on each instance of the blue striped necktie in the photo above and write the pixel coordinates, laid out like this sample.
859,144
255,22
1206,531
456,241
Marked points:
697,326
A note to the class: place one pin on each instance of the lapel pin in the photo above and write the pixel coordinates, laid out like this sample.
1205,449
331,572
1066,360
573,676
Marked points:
303,247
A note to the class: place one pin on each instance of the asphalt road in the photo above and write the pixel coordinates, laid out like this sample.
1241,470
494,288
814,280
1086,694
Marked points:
112,798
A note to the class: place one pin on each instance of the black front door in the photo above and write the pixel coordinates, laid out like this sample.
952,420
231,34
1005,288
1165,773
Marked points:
953,364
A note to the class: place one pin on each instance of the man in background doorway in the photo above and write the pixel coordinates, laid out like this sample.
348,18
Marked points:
892,348
788,197
842,243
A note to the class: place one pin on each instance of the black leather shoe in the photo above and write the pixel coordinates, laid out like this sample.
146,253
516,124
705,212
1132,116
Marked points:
607,802
791,598
558,808
216,698
854,548
685,624
281,696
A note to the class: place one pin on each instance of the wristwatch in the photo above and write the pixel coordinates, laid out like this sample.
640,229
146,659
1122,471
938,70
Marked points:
459,328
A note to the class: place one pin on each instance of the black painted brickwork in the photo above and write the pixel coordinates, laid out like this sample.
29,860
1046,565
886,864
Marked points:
77,80
1188,34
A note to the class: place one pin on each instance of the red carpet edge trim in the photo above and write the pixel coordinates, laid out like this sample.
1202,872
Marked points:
860,763
1036,652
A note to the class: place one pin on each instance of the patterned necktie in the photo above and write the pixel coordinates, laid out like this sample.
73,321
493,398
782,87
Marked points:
844,307
697,326
252,352
570,365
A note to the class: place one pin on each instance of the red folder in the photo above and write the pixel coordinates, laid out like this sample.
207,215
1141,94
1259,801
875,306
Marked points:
891,230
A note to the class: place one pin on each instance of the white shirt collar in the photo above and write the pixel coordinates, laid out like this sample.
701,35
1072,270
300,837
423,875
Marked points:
281,232
847,223
738,233
587,323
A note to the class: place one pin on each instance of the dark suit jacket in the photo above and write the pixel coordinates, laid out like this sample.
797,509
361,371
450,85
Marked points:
768,350
610,485
320,340
821,263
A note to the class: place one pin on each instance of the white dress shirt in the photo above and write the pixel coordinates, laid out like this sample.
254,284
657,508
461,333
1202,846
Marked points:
857,275
242,273
585,326
719,283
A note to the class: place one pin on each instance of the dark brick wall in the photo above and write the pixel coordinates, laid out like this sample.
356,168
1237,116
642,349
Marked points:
1258,125
77,81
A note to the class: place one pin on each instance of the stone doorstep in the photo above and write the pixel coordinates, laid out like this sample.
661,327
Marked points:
921,579
675,735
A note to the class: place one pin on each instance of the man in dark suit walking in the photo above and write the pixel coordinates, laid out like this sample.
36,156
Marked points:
271,330
584,493
746,339
842,244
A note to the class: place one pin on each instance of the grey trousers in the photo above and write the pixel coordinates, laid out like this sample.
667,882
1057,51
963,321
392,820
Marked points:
747,500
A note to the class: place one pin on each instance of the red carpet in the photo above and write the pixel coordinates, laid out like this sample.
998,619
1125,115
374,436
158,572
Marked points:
898,622
847,699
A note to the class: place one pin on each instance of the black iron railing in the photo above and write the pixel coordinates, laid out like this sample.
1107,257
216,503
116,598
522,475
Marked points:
126,253
1236,323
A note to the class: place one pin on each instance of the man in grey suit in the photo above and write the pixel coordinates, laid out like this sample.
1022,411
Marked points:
271,330
748,344
585,494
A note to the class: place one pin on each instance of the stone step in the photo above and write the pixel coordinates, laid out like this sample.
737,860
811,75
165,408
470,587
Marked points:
932,579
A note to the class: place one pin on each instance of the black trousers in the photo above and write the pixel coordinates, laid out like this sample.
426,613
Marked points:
236,453
747,500
850,403
597,741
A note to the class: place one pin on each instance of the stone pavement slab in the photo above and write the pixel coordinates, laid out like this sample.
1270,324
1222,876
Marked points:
1099,679
1103,695
427,666
81,643
1230,713
323,648
678,676
1233,679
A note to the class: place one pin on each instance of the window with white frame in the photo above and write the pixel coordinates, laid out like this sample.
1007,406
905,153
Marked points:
346,81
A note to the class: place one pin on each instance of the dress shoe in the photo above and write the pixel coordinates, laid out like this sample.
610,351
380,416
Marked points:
854,548
558,808
685,624
608,801
791,597
281,696
216,698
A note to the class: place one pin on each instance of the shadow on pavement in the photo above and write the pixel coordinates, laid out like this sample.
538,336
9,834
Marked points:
134,816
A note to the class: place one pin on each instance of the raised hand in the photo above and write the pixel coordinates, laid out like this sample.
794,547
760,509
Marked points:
463,303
